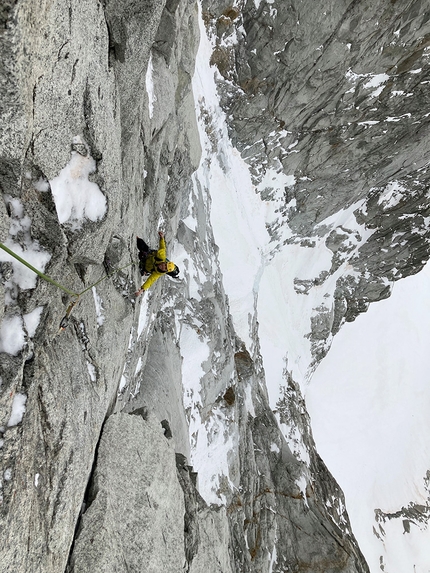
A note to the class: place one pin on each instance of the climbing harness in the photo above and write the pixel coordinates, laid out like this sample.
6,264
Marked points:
76,295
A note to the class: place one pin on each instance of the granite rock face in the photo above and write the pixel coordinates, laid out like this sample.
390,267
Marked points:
139,526
96,474
336,96
63,79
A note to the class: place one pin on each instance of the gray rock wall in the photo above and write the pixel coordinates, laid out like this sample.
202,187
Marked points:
78,69
134,520
335,93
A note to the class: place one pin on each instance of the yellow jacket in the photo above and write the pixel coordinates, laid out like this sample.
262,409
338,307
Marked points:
152,260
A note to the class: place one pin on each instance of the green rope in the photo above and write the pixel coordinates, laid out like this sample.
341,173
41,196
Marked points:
48,279
65,320
107,277
41,275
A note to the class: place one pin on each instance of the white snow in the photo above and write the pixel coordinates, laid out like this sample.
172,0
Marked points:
12,336
76,197
273,558
396,119
122,383
369,402
392,195
131,343
194,275
91,371
211,443
274,448
143,315
138,366
41,185
295,442
248,400
274,182
150,86
301,483
18,409
22,276
376,80
190,222
27,249
352,76
99,307
373,81
370,123
31,320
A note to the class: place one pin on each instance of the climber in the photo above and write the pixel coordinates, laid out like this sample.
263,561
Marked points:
154,263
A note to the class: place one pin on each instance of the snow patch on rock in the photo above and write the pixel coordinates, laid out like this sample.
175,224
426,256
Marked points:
76,197
18,409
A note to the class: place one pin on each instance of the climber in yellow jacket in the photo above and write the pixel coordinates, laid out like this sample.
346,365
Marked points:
154,263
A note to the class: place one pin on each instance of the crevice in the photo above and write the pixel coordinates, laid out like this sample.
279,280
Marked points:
90,494
89,136
194,503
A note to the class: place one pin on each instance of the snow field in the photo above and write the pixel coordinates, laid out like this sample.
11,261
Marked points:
254,279
369,401
239,229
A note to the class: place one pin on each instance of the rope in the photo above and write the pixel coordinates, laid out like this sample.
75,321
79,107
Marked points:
65,320
41,275
107,277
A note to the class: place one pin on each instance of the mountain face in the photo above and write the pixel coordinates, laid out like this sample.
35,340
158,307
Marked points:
143,436
335,95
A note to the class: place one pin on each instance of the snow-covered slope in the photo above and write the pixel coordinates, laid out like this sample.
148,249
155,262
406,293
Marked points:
369,401
352,421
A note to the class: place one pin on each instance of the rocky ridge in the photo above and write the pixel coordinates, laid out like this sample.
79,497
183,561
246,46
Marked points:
97,475
336,99
322,94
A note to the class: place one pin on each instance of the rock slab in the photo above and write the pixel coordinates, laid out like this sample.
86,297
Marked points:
135,520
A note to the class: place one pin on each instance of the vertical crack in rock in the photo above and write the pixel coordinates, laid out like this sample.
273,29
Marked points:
193,504
90,495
